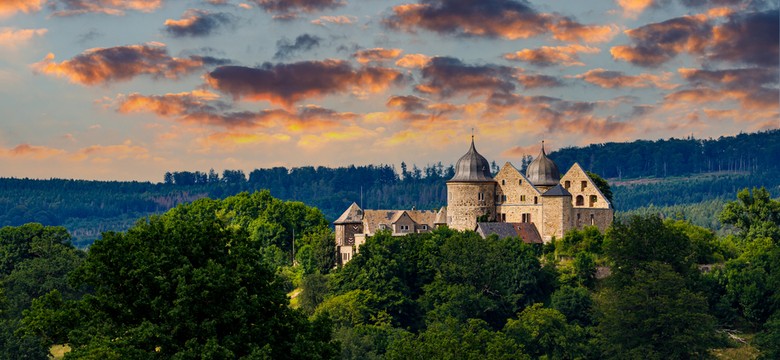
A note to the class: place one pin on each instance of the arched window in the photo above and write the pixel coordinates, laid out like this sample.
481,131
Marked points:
580,200
593,200
503,182
536,200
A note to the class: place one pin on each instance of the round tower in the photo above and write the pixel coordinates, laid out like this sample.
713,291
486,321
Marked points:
542,172
471,193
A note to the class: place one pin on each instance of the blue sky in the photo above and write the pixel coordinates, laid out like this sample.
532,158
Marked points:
130,89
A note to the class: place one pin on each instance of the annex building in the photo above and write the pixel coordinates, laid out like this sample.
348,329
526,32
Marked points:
536,206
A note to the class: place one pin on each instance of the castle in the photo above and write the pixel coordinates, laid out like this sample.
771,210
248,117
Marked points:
538,206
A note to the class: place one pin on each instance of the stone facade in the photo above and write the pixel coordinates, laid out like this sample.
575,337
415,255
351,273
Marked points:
553,206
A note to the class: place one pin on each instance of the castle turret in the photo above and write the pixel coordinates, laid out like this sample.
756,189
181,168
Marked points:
542,172
557,211
471,192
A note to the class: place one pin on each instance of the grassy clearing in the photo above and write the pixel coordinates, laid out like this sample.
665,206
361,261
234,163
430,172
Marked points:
58,351
741,349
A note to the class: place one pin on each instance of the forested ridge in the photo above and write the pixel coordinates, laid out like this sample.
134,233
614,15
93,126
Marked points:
673,172
208,280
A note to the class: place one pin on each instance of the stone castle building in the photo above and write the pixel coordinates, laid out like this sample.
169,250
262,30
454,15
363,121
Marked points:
538,205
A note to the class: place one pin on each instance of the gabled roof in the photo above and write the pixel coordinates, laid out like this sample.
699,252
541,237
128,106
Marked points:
525,231
557,190
441,216
511,167
577,167
353,214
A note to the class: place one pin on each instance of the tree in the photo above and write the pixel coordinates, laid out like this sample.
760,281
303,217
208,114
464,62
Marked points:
754,215
185,284
575,303
601,184
654,316
545,333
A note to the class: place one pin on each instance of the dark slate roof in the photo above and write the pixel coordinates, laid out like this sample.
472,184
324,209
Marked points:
557,190
472,167
525,231
502,229
353,214
543,171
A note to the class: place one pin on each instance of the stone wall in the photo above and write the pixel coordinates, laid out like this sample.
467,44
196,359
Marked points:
575,178
556,218
601,218
464,204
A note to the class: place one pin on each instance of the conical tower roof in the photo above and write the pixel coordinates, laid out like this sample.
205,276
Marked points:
543,171
472,167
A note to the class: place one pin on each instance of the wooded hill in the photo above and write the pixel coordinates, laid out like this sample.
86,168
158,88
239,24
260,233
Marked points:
674,172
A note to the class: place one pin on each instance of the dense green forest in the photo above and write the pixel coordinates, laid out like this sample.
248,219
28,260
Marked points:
209,280
702,172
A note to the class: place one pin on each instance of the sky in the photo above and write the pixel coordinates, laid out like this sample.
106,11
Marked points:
130,89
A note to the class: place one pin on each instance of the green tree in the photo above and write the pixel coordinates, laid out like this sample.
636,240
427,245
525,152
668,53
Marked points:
545,334
754,214
654,316
575,303
601,184
186,284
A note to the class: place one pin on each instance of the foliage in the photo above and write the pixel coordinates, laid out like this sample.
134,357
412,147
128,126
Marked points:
190,283
545,333
754,215
454,339
649,310
575,303
601,184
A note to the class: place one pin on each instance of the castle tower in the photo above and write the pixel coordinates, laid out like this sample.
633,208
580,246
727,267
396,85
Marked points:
471,192
542,172
557,212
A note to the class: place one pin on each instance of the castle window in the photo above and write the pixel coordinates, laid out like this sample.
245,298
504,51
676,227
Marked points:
567,184
480,196
404,227
503,182
593,200
522,197
592,219
503,198
425,227
503,217
520,182
578,219
536,200
526,218
583,185
580,201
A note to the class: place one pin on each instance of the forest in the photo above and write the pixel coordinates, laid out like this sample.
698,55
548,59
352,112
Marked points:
251,276
684,178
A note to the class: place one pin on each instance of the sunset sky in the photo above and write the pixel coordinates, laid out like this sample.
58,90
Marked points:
130,89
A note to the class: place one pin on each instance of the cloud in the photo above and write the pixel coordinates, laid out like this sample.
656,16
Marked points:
617,79
749,38
123,63
752,38
408,103
107,153
10,7
289,6
31,151
197,23
446,76
305,42
230,141
657,43
337,20
11,38
376,55
553,55
538,81
108,7
413,61
287,84
632,8
753,88
506,19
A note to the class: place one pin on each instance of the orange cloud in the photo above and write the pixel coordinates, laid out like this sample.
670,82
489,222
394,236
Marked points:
31,151
617,79
108,7
659,42
10,7
553,55
632,8
376,55
413,61
337,20
122,63
492,18
230,141
11,38
286,84
105,153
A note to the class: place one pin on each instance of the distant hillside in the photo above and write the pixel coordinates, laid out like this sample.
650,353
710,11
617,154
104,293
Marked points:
745,153
664,173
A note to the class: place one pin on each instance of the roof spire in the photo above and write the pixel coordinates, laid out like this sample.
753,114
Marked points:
472,134
543,147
